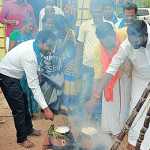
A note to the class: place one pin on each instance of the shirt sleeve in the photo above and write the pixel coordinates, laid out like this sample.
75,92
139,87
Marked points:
30,68
41,16
14,35
82,34
119,58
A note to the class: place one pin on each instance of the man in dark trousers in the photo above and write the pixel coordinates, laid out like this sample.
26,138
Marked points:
22,60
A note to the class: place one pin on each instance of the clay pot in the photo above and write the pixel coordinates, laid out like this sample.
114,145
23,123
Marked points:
59,143
85,141
86,138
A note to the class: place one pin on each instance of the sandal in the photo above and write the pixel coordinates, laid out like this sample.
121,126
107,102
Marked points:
26,144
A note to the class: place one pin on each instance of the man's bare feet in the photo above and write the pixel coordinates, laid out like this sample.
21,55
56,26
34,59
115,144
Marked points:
26,144
35,132
2,121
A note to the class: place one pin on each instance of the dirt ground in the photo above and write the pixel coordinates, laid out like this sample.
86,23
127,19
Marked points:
7,129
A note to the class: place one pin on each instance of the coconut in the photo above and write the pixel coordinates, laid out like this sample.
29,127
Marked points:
62,129
89,131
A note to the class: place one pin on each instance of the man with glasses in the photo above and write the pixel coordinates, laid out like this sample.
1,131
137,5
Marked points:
24,59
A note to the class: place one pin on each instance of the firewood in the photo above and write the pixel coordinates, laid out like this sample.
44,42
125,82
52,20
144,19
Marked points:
131,118
143,130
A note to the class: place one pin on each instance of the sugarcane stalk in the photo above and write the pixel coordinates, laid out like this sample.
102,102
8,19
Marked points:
143,130
131,118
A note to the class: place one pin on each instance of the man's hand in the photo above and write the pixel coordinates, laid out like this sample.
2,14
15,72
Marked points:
48,114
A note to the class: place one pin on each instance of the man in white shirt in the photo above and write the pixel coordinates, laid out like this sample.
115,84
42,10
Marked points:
137,49
24,60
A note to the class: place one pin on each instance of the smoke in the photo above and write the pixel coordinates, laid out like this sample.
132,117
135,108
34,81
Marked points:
79,118
97,141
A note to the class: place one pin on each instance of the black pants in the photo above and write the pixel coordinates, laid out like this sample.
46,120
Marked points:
18,104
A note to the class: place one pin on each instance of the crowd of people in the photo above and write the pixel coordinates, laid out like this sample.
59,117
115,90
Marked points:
99,68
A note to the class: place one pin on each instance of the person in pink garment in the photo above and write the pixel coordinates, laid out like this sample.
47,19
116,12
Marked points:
13,14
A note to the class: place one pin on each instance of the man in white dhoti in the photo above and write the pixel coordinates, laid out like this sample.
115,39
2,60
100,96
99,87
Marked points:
116,96
137,48
115,111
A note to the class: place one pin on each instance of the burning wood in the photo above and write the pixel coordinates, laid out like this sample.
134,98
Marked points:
132,117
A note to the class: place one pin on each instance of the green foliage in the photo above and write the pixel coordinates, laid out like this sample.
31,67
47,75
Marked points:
53,133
